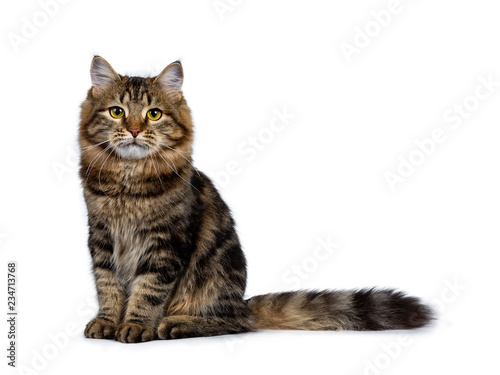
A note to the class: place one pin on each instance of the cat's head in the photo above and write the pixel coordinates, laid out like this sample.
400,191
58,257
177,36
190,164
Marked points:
133,118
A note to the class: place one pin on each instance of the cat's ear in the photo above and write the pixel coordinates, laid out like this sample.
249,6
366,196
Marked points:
101,73
171,78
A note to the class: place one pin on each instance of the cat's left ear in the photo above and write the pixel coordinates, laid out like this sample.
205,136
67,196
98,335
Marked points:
171,78
101,73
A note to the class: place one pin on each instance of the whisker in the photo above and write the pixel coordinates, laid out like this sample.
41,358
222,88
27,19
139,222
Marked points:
100,170
175,171
95,157
91,147
173,149
145,161
173,168
154,166
92,163
157,163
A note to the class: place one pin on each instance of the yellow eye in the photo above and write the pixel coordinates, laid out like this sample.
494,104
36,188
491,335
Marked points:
116,112
154,114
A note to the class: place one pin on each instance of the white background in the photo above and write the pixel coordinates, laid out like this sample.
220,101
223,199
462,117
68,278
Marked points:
323,176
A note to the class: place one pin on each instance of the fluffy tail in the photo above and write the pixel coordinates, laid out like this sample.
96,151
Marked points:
359,310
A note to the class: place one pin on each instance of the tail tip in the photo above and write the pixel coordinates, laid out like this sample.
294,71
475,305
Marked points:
424,316
411,312
390,309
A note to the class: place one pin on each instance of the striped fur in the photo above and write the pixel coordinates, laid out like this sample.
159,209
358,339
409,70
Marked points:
359,310
166,257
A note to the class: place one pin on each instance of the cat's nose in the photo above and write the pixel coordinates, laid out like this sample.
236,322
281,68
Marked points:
135,132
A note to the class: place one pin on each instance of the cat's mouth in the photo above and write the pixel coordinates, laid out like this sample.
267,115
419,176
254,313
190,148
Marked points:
132,150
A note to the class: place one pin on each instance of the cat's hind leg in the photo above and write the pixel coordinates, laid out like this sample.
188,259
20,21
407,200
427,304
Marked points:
184,326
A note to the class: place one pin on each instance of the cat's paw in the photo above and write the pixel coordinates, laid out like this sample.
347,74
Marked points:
100,329
173,328
134,332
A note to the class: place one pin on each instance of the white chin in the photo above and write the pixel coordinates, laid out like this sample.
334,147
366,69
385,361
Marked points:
132,151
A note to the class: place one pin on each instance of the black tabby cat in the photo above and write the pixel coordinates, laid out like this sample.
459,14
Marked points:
166,257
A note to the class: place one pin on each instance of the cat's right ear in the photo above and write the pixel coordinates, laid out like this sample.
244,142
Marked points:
170,80
101,73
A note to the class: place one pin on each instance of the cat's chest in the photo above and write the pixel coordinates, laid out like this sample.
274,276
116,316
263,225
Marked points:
129,247
128,222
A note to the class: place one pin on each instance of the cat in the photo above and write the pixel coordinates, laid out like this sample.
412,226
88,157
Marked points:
166,257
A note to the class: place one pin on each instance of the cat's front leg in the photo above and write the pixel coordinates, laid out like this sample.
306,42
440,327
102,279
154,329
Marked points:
154,282
110,292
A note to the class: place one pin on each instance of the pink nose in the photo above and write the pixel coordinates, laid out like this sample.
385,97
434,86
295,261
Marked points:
135,132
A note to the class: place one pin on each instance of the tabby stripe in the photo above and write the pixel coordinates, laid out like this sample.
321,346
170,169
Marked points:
224,235
171,268
138,321
156,289
97,245
363,304
165,278
153,300
105,318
